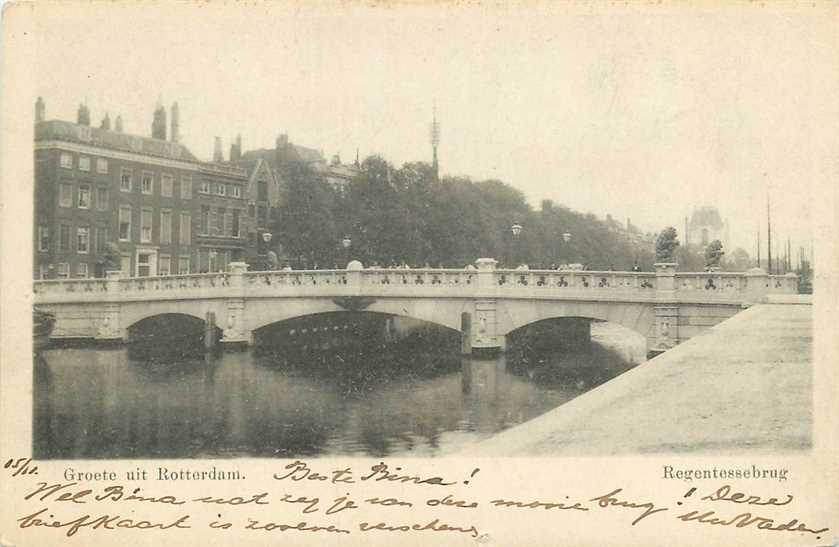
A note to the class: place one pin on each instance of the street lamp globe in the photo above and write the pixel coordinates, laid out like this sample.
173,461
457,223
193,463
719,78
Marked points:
266,237
516,229
346,242
566,237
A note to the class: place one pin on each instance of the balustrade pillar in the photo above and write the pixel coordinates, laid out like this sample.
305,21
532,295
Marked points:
234,329
666,308
756,286
110,328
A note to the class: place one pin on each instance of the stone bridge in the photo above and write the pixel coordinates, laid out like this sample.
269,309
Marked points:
484,303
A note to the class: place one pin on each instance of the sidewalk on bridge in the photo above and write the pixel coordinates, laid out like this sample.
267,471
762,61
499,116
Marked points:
744,386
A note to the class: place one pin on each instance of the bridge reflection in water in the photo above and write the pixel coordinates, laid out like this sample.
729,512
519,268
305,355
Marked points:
416,396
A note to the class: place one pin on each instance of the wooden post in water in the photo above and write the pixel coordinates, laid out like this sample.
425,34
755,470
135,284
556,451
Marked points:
210,331
466,333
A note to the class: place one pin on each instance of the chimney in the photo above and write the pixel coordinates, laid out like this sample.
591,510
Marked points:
217,155
118,124
282,141
158,126
175,132
83,116
40,110
236,149
336,159
106,122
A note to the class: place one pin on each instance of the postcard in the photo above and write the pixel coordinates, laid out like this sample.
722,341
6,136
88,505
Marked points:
402,273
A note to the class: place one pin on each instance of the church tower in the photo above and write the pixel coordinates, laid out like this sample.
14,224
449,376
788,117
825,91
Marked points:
435,141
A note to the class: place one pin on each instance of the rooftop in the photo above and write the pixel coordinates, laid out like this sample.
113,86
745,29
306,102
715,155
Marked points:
112,140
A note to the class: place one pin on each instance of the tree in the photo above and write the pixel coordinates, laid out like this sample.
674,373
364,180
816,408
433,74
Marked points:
738,260
110,259
713,254
666,244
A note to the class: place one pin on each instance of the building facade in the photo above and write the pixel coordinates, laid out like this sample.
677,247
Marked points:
107,200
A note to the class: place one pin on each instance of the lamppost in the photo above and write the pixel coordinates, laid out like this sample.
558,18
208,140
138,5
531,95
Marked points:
566,237
271,256
345,243
516,229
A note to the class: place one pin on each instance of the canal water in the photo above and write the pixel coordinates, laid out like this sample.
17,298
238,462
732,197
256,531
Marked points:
414,397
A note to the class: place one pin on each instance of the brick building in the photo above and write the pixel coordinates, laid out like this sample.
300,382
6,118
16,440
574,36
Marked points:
108,200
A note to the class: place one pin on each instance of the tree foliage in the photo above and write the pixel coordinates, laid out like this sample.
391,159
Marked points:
406,215
666,244
713,254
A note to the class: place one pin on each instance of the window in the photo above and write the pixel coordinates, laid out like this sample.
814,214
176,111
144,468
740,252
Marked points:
101,198
205,187
63,237
186,229
237,191
43,271
125,264
221,189
82,239
84,196
65,194
262,216
262,191
235,224
205,220
165,227
81,269
84,163
218,227
164,266
125,180
147,184
183,265
63,271
143,264
186,187
145,224
101,239
101,165
66,160
124,223
166,184
43,238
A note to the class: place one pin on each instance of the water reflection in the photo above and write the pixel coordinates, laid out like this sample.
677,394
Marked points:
415,399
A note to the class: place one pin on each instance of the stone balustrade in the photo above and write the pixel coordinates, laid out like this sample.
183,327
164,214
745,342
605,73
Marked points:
484,282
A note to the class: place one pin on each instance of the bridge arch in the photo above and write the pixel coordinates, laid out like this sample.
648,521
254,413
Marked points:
165,326
445,313
515,314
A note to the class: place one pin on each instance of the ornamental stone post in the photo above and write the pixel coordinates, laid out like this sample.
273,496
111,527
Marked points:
234,331
110,328
483,324
756,286
666,308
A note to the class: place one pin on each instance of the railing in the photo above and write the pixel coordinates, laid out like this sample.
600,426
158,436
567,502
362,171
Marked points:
486,282
53,287
569,280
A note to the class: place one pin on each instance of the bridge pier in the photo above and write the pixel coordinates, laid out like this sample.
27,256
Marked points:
110,329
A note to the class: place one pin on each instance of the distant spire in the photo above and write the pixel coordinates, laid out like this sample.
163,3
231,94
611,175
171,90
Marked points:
769,232
106,122
118,124
435,142
357,164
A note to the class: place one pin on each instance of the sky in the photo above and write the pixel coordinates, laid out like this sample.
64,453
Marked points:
638,113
